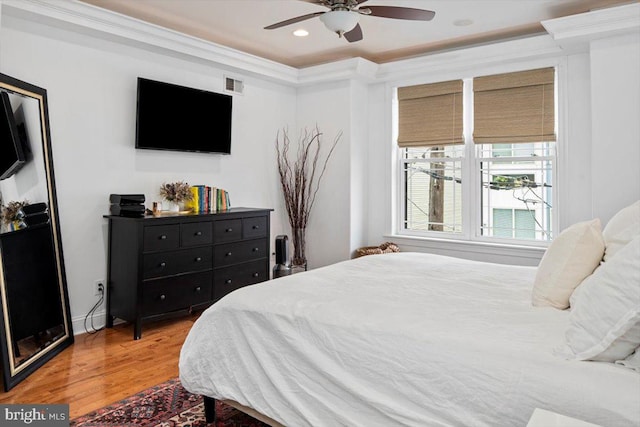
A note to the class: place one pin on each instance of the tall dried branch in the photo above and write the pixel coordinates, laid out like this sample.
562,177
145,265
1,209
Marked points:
300,177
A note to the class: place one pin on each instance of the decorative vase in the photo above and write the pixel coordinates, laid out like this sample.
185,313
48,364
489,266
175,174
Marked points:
172,206
299,258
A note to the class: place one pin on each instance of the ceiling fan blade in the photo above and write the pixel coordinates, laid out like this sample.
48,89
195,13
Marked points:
328,3
397,12
354,35
293,20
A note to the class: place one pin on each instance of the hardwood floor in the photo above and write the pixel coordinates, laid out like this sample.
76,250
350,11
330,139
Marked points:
103,368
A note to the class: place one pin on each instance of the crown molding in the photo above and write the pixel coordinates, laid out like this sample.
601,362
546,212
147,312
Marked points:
347,69
575,32
94,21
529,48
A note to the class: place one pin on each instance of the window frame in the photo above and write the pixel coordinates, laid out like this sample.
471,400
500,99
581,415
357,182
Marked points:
472,218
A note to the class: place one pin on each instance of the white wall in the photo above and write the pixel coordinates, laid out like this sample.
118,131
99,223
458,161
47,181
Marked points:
328,234
615,124
575,179
359,165
91,86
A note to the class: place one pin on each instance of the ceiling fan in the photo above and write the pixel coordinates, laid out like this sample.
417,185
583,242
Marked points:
343,16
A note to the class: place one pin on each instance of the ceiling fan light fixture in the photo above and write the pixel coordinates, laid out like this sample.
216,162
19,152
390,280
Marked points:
340,21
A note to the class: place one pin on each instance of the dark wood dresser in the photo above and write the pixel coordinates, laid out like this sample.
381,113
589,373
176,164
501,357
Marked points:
161,266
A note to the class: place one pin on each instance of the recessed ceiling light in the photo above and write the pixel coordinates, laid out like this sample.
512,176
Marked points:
462,22
301,33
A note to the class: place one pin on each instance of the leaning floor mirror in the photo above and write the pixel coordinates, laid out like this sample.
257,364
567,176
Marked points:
35,323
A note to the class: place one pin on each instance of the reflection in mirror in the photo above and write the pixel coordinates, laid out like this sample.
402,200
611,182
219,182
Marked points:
35,321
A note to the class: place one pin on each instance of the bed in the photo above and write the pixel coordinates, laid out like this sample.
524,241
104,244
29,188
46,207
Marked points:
399,339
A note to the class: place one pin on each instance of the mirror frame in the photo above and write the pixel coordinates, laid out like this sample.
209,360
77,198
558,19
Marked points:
13,374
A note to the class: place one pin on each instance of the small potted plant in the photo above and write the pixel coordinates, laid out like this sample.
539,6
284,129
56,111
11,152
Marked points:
176,193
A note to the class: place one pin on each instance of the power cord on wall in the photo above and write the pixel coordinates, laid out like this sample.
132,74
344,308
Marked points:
92,312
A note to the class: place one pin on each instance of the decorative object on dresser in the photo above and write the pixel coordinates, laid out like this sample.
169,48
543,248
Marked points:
176,193
127,205
163,265
207,199
300,183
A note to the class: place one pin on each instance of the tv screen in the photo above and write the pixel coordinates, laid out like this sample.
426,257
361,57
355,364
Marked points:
172,117
12,155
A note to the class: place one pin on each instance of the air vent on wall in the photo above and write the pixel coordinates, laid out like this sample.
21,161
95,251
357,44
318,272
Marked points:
233,85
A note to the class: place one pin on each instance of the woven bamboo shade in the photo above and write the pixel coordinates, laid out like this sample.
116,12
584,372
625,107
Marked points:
430,114
514,107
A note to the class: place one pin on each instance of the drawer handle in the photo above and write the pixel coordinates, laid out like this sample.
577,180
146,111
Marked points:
256,274
228,281
163,297
228,254
255,227
198,259
229,230
163,237
198,233
163,264
256,249
198,289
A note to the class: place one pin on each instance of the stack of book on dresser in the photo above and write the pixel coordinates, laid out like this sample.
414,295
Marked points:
208,199
131,205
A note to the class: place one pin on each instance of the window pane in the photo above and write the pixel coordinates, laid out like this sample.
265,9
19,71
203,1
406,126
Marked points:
521,185
501,150
446,151
433,189
525,149
525,224
503,222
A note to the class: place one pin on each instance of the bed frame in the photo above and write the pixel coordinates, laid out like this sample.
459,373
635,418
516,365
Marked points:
210,411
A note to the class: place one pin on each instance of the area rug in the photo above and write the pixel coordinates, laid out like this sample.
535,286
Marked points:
165,405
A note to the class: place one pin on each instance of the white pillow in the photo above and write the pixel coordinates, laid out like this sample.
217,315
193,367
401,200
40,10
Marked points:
621,229
632,361
571,257
605,322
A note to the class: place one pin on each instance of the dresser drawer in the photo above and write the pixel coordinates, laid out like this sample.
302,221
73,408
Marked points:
161,237
175,293
254,227
195,233
231,278
234,253
228,230
174,262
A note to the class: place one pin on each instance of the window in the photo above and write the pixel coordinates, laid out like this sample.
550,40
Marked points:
494,181
433,188
519,223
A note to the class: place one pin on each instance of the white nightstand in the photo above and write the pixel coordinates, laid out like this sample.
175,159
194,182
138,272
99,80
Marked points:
543,418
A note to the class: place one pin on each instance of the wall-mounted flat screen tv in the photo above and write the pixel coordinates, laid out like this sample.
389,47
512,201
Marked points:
178,118
12,155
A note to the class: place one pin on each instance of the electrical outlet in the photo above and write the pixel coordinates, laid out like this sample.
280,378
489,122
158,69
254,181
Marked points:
99,287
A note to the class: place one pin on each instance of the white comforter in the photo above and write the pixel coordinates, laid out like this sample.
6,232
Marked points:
401,339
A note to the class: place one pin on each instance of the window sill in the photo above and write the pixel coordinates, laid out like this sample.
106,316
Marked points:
480,251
